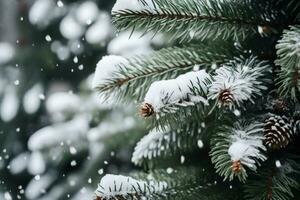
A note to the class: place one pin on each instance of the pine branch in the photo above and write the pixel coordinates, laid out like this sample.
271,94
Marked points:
288,53
185,183
134,78
185,138
201,19
274,181
236,82
291,9
237,148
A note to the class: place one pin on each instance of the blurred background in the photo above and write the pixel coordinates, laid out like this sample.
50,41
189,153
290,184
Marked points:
57,136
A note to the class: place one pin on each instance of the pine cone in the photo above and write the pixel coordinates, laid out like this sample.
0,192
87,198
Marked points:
146,110
236,166
226,97
278,132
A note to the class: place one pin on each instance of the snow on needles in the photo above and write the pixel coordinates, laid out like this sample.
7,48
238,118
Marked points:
247,145
7,52
113,186
187,89
149,146
134,5
106,68
87,12
236,82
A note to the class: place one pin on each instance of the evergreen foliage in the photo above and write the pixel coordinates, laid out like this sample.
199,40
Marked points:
206,98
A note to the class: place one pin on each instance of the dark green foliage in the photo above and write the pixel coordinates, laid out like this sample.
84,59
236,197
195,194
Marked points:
288,59
273,182
198,23
200,19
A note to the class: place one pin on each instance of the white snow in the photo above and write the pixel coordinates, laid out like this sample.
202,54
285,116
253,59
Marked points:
197,79
149,146
31,99
87,12
84,193
70,28
278,163
117,185
162,93
40,12
62,51
112,186
7,196
242,81
247,145
36,164
7,52
76,46
127,45
108,128
134,5
100,31
200,144
60,4
9,105
53,135
61,104
19,163
177,91
106,68
36,188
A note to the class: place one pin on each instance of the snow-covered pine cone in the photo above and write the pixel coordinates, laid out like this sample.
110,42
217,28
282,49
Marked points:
278,132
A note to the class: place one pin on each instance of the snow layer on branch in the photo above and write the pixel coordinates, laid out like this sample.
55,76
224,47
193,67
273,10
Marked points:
40,12
128,44
31,99
37,188
9,105
113,186
134,5
70,28
36,163
19,163
149,146
108,128
106,67
100,31
52,136
178,91
247,145
62,104
7,52
193,80
87,12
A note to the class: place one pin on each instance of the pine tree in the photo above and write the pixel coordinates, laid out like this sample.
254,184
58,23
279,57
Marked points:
221,99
